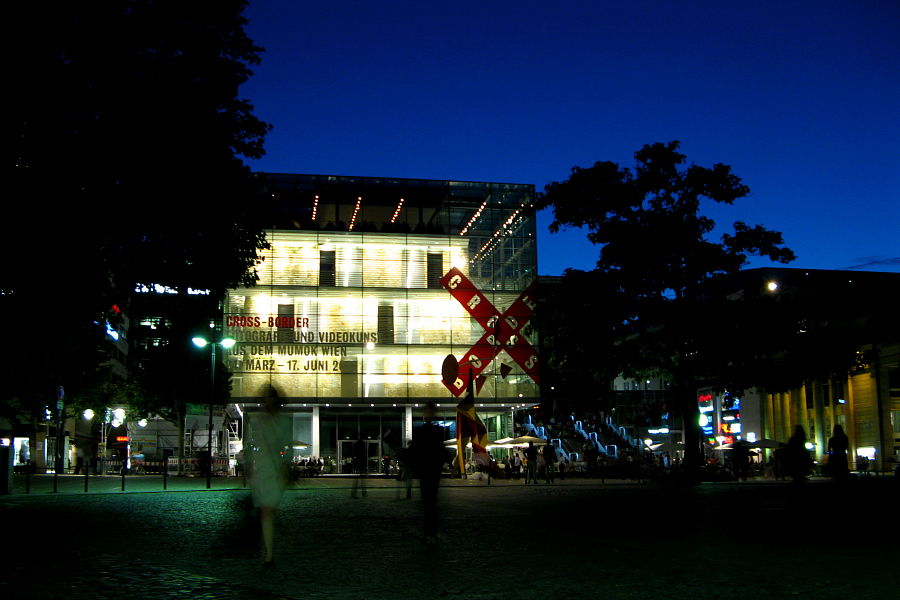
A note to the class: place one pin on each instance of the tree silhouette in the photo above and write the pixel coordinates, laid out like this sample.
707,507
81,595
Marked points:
128,136
655,261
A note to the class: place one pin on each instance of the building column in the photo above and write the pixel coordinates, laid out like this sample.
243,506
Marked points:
821,437
850,430
802,410
316,436
407,424
789,397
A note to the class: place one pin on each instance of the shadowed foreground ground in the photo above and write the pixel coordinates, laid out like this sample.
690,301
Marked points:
574,539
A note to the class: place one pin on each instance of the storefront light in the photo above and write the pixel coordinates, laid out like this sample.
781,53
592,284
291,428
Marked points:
867,451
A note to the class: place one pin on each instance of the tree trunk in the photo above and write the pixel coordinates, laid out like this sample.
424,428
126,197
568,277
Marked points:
686,392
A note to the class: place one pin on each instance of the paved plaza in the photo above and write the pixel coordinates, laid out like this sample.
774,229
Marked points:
572,539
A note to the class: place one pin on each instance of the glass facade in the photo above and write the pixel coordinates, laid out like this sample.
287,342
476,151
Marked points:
369,284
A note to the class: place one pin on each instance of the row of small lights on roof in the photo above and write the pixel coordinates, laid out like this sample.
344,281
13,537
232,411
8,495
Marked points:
474,218
397,212
498,233
355,212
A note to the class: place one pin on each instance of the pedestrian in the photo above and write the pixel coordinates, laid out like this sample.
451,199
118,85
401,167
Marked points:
741,460
79,460
361,466
429,457
549,462
271,434
838,445
531,455
798,460
517,466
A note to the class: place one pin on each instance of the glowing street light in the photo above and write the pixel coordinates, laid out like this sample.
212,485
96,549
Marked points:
225,343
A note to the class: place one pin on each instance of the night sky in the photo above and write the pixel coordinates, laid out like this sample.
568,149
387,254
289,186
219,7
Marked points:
800,98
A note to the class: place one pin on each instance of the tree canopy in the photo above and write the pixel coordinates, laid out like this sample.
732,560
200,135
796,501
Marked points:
656,260
129,136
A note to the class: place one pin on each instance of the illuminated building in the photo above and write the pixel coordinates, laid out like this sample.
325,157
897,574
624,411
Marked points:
358,304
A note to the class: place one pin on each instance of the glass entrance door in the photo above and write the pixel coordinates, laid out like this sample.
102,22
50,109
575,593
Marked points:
346,456
359,456
373,456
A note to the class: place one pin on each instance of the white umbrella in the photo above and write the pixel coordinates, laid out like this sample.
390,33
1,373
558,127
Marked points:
523,440
667,447
766,443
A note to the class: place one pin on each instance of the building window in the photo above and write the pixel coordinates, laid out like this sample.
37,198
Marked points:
435,268
826,395
327,268
839,397
809,396
385,324
285,334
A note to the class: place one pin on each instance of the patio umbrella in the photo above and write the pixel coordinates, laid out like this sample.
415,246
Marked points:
451,443
667,447
766,443
523,440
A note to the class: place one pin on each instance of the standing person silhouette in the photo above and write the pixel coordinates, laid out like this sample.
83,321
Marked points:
838,445
531,455
428,456
798,460
549,454
361,466
271,435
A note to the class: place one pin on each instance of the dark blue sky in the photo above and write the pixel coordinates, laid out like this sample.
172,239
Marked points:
800,98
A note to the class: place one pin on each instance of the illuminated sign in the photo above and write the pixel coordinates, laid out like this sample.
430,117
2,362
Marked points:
730,402
122,438
272,329
164,289
270,321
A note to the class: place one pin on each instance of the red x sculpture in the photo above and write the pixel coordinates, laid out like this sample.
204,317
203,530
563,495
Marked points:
501,330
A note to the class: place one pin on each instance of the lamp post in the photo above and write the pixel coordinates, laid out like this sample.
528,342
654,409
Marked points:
201,342
89,417
118,419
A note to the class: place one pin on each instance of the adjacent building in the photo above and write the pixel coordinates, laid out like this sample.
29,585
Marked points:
864,400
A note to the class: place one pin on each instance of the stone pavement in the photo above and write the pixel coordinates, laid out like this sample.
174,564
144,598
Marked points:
572,539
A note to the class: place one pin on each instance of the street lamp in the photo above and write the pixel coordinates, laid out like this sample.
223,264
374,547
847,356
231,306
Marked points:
225,343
